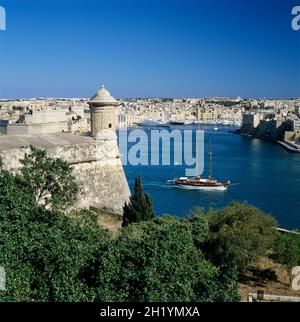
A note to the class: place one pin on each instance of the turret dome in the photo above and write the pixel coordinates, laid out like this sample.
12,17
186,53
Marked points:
102,97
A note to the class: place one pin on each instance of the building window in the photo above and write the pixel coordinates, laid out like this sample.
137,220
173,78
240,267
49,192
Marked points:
110,126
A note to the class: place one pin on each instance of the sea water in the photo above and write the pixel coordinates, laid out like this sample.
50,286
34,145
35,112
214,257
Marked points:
268,177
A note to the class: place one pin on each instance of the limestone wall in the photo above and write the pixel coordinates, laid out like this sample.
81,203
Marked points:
20,129
292,135
44,117
97,168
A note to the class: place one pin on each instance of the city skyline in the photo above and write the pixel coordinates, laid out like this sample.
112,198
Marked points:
150,49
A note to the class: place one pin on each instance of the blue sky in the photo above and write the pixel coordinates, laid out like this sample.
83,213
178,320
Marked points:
150,48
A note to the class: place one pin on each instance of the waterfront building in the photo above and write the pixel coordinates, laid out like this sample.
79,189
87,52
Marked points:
276,125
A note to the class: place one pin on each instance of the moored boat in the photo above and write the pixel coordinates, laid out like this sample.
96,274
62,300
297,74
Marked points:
177,122
153,123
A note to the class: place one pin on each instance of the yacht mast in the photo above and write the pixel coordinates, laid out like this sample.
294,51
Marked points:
210,160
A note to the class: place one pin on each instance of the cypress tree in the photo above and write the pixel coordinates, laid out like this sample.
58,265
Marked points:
139,207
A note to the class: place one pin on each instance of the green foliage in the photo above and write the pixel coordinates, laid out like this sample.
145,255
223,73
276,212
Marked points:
199,227
158,260
287,251
49,180
46,255
51,256
14,200
239,234
139,207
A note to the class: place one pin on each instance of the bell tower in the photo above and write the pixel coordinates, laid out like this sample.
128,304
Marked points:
103,114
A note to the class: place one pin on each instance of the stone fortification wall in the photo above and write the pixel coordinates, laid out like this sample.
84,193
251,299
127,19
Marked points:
97,168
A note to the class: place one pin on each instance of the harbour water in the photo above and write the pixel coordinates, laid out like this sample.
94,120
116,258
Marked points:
268,177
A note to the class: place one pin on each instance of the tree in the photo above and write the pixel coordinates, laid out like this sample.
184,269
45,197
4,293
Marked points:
199,227
287,251
14,200
239,234
157,260
50,181
47,255
139,207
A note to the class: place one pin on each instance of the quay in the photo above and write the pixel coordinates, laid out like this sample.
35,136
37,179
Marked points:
290,146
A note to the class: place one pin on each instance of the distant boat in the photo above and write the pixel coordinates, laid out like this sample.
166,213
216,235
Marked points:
152,123
216,129
177,123
198,183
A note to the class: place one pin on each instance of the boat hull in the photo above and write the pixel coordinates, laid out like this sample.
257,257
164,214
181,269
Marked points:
206,188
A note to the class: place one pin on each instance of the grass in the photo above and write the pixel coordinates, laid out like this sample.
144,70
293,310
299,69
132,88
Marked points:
268,276
108,220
